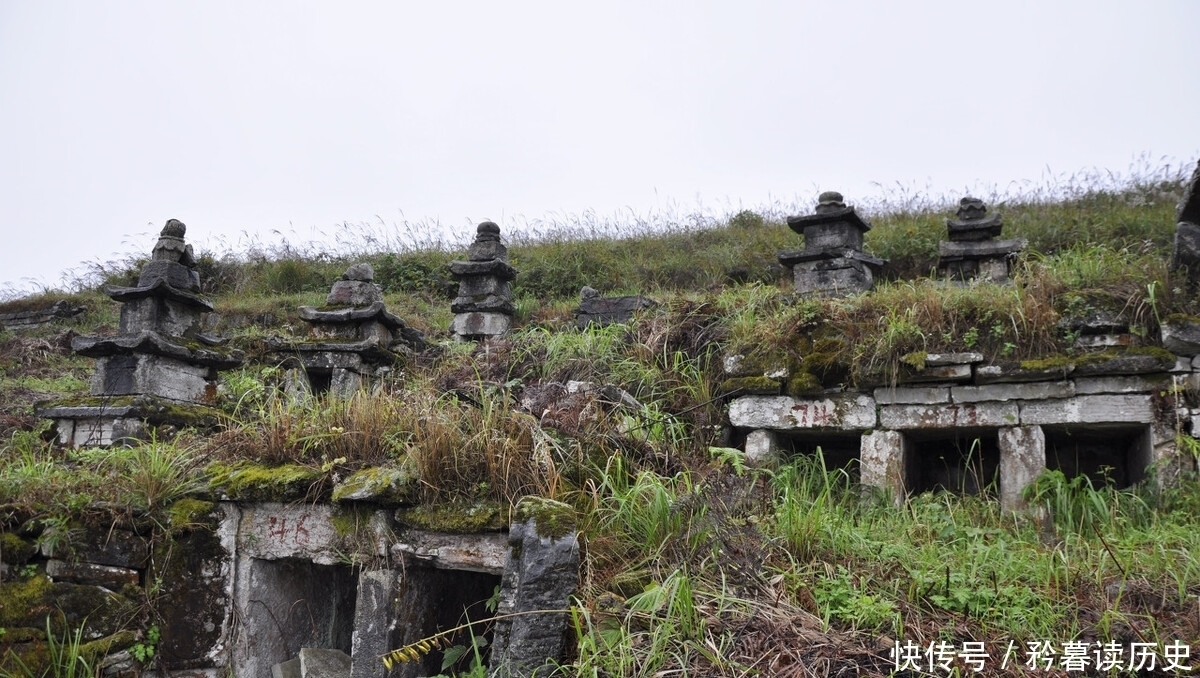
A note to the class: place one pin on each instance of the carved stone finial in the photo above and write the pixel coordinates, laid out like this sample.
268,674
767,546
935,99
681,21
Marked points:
486,231
971,209
830,201
362,272
170,245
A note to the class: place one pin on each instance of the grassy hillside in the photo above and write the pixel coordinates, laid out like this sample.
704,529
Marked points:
695,564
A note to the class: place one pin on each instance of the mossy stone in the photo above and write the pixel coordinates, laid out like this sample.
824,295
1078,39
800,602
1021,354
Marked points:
189,513
553,519
31,601
385,485
15,550
455,518
247,481
803,384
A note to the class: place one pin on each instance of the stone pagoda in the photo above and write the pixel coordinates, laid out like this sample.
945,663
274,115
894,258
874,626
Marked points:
973,251
159,369
832,262
350,340
484,305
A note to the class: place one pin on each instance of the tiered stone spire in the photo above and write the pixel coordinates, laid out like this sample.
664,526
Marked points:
972,251
484,306
159,357
832,262
352,339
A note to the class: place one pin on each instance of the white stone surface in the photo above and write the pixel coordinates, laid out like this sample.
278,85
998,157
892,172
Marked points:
966,415
762,446
1089,409
845,412
954,373
1118,384
882,460
1022,460
942,359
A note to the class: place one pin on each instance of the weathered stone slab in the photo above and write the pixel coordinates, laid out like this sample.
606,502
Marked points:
111,578
1129,363
1094,341
943,373
1008,373
99,431
274,531
883,457
1022,460
608,310
155,375
484,552
966,415
845,412
943,359
116,548
1129,384
1089,409
1002,392
320,662
912,395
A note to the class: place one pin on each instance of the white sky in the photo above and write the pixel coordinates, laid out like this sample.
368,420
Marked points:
253,117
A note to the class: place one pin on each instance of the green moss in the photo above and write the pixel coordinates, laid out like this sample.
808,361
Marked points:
111,644
28,603
22,601
803,384
189,512
455,518
154,410
749,386
385,485
1053,362
915,360
1181,319
15,550
247,481
348,520
554,519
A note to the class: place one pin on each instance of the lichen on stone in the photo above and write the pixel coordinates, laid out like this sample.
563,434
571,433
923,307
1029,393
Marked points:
455,518
247,481
553,519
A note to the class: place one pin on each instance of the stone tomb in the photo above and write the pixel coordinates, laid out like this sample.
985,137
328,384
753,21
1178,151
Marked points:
292,578
975,436
597,310
351,339
832,262
160,368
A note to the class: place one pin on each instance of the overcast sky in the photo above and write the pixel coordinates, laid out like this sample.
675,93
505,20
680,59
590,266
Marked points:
255,117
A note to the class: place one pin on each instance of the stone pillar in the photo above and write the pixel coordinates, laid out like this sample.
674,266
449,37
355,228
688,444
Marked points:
377,618
762,446
883,463
1022,460
542,573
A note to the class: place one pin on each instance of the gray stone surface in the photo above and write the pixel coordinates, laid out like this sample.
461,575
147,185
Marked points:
99,431
944,359
912,395
1131,384
354,293
1014,373
883,458
146,374
607,310
480,324
320,662
844,412
114,548
1089,409
377,617
943,373
1001,392
972,222
1022,460
542,573
762,446
1181,338
287,669
966,415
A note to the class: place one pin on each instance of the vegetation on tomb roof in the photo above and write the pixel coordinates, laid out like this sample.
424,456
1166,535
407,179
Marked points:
686,551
